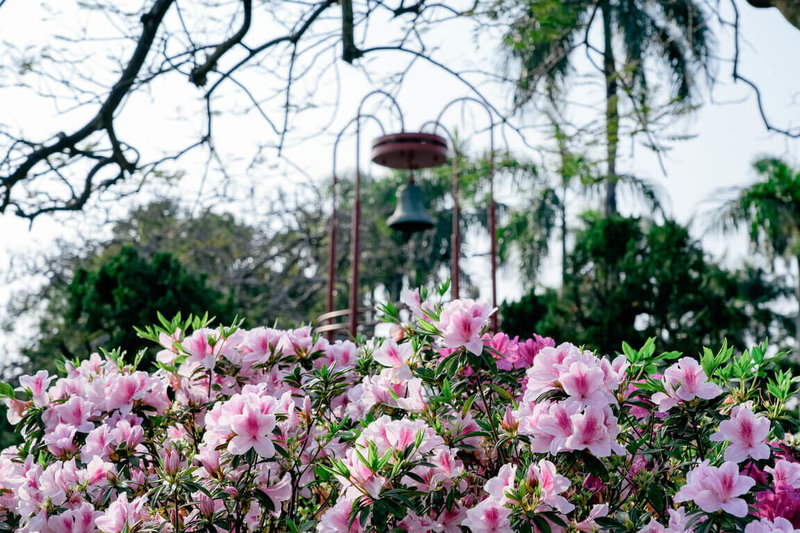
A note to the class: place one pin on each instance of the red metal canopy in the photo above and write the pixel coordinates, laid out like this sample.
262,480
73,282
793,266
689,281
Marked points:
409,151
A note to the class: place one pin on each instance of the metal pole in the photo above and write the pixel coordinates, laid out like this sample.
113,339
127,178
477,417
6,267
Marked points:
355,236
331,252
492,228
332,228
492,222
455,240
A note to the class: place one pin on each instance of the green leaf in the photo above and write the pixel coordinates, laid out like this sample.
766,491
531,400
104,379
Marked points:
503,393
630,354
6,390
541,524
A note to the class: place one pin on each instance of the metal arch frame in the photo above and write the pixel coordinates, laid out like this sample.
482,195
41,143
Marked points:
355,233
356,211
455,241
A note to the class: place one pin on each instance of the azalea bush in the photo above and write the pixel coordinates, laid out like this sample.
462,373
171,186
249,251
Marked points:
442,427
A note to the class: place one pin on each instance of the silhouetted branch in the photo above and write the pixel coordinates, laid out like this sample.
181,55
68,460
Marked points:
199,74
794,134
67,143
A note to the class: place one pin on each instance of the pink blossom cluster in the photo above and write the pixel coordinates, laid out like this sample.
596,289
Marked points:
782,500
513,353
447,428
462,323
94,419
583,417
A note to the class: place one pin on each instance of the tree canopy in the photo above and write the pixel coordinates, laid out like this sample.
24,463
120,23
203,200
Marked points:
629,279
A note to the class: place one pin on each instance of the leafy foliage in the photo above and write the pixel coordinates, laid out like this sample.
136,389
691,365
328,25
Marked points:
631,279
124,289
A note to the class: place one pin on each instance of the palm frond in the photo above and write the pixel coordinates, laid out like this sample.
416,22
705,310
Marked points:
648,193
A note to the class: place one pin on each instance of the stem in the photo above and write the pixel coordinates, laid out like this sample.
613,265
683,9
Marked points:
489,416
176,510
700,449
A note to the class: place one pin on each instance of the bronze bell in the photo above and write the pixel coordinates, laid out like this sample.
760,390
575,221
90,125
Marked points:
410,214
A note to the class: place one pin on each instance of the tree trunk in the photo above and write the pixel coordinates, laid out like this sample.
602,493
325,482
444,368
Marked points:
612,111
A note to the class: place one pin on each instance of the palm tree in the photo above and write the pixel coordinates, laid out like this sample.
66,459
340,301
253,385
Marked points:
545,36
770,211
530,227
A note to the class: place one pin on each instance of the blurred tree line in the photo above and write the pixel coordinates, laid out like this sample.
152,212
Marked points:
160,258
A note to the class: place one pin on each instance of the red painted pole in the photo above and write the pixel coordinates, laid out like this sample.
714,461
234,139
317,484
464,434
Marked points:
331,253
492,231
355,235
455,240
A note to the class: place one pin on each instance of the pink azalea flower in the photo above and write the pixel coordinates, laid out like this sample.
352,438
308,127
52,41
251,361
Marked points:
170,351
337,519
530,348
199,349
614,371
450,521
583,384
395,356
713,488
76,411
127,435
489,516
746,435
596,430
588,524
502,482
421,524
415,397
37,385
253,430
506,347
652,527
679,522
418,308
97,471
552,428
545,371
785,472
550,484
362,480
279,493
779,525
461,324
122,513
61,441
684,381
97,444
783,501
78,520
342,354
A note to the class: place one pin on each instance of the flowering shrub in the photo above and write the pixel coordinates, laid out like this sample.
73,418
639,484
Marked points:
441,428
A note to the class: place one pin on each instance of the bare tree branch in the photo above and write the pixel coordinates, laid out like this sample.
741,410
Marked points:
99,156
794,134
66,143
199,74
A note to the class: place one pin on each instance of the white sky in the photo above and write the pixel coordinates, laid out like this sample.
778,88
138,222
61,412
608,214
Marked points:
728,132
